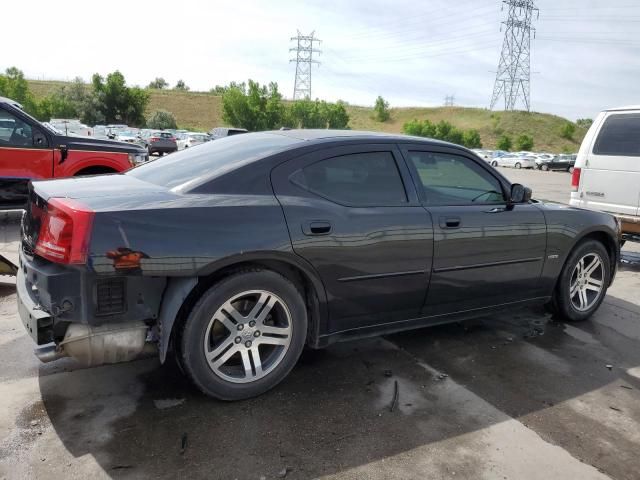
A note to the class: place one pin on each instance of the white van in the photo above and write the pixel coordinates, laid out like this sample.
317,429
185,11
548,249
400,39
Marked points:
606,175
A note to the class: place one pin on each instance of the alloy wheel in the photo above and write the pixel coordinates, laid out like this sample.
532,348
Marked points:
248,336
587,282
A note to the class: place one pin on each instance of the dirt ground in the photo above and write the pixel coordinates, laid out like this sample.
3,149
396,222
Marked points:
514,396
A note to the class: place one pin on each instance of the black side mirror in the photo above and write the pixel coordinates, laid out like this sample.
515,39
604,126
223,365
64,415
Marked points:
520,194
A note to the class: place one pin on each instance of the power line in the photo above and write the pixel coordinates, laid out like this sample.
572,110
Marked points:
513,78
304,61
449,100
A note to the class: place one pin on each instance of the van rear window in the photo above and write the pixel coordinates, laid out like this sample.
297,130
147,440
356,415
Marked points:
619,136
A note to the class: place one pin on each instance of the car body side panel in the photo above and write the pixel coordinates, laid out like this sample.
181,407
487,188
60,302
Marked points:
566,227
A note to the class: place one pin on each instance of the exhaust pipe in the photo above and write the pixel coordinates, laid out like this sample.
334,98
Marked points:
99,345
49,353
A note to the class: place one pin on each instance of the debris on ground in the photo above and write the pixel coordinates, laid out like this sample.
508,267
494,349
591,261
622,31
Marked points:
396,393
615,408
536,329
442,376
164,403
610,367
183,444
388,373
627,387
283,473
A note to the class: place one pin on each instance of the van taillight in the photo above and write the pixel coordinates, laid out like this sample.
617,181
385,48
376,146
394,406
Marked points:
65,231
575,179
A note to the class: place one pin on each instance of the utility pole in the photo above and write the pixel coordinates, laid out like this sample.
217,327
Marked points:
305,49
449,100
513,78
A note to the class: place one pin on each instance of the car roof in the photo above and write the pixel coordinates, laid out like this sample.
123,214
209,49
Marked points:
317,135
628,107
10,102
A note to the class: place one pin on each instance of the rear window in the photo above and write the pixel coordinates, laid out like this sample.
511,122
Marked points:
189,168
619,136
166,135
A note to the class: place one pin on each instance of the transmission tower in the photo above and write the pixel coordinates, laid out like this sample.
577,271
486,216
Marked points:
449,100
514,70
305,49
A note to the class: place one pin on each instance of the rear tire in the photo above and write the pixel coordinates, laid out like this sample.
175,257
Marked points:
244,335
583,282
494,164
518,165
544,167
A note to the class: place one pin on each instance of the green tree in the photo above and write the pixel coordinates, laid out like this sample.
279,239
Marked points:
254,107
337,116
524,142
158,83
180,85
117,102
381,110
504,143
567,130
471,139
584,122
13,85
161,119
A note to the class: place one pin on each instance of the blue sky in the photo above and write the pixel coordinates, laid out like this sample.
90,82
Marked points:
586,53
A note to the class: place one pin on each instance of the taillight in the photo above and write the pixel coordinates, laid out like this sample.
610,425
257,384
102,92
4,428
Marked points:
575,179
154,139
65,231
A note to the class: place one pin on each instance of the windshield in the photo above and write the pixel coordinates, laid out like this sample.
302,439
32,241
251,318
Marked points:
188,168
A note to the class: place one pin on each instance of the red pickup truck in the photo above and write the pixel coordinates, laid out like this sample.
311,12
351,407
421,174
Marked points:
32,150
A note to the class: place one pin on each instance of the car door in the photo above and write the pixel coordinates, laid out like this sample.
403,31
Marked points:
25,153
353,213
486,251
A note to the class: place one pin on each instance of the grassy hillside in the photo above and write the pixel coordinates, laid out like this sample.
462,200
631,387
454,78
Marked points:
203,111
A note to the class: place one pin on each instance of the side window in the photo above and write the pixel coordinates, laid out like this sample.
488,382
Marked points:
357,180
454,180
619,135
14,132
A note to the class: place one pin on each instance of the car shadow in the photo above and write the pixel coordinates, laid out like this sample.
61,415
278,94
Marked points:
333,412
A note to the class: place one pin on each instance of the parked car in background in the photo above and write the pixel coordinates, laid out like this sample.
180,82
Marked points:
220,132
237,285
606,174
486,155
114,129
520,160
129,136
161,142
556,162
32,150
71,127
191,139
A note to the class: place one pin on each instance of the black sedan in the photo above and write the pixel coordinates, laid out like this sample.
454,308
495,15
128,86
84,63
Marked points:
236,254
558,162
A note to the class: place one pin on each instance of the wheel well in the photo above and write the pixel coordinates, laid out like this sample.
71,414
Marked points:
98,170
292,273
608,242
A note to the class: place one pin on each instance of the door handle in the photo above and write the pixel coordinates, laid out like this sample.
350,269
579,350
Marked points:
317,227
450,222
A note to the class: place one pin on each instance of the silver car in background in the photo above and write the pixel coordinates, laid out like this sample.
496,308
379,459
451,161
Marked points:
515,161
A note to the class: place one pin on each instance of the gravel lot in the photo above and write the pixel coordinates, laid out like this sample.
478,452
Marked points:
515,396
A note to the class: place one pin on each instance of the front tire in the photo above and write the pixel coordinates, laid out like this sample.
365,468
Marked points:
244,335
583,283
494,164
544,167
518,165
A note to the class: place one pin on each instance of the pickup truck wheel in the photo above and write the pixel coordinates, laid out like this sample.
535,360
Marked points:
244,335
583,283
